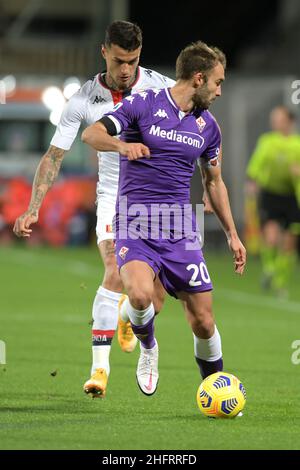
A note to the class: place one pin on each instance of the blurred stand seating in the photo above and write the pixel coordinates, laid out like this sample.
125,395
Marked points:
67,216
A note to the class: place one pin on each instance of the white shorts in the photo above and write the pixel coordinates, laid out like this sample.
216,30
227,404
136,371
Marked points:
106,209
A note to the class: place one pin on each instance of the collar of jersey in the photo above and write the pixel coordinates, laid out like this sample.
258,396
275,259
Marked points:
167,90
181,114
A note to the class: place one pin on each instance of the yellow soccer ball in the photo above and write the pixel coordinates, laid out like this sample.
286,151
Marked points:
221,395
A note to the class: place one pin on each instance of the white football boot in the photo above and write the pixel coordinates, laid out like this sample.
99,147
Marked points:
147,370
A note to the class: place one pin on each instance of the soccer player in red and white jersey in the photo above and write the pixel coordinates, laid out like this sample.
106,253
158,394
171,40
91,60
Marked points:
123,75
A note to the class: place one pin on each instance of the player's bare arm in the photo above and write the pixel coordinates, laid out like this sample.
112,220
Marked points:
97,137
207,205
45,176
218,196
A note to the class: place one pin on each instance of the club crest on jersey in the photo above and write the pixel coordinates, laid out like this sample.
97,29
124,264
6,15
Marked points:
109,229
200,123
123,252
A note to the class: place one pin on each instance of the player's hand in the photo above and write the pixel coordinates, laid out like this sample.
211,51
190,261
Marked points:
134,151
22,224
239,254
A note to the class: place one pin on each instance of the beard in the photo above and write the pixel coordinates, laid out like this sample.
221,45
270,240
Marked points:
201,99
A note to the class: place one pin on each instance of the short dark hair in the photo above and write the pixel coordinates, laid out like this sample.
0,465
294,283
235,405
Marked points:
124,34
198,57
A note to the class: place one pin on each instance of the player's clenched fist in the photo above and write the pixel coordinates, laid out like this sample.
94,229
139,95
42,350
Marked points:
134,151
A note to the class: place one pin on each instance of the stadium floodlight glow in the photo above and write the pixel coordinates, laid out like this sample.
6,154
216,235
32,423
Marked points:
10,84
53,98
71,85
55,115
2,92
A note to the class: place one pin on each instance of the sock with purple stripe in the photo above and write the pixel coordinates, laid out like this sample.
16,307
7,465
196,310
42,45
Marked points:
209,367
208,354
145,333
142,322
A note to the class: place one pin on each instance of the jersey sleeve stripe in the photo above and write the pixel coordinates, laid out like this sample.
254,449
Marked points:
115,122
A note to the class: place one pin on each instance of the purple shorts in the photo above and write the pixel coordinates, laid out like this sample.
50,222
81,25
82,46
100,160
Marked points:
179,269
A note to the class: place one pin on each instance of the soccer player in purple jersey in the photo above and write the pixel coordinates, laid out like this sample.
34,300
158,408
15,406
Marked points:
164,132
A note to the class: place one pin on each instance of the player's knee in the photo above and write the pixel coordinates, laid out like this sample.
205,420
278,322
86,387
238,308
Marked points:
139,297
207,326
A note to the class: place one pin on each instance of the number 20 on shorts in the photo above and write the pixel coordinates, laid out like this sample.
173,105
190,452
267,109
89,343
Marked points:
198,270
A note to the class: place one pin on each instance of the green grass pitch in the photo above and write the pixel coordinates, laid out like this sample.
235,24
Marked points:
45,310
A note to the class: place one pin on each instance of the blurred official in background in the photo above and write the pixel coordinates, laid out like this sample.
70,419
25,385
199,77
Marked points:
273,173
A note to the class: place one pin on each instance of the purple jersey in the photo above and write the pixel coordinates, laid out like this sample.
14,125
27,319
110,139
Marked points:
176,141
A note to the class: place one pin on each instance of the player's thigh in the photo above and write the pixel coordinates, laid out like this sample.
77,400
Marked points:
108,254
138,279
138,264
159,295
